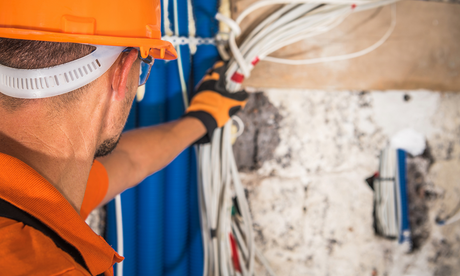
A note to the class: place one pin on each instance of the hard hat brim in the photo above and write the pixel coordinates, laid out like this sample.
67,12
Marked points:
157,48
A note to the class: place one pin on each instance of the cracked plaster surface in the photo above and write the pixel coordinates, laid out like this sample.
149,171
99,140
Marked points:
312,209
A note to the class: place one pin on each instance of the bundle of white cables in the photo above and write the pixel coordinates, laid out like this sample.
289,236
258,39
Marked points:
226,220
293,22
228,236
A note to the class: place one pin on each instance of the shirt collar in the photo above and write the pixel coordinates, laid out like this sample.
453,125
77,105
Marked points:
23,187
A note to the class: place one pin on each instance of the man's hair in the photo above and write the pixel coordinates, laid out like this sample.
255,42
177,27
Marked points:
28,54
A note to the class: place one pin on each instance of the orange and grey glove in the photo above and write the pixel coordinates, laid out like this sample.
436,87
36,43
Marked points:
212,104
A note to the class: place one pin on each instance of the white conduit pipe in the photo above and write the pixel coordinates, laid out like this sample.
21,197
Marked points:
183,84
119,221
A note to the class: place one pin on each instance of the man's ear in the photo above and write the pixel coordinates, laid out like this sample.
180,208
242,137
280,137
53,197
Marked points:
121,74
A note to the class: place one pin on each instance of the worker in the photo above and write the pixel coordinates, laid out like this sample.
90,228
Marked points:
69,72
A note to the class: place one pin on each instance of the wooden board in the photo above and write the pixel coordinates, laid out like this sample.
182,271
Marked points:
423,52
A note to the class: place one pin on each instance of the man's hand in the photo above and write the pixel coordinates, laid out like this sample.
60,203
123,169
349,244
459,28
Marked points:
212,104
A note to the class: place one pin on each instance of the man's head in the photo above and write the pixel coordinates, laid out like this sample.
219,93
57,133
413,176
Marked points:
110,95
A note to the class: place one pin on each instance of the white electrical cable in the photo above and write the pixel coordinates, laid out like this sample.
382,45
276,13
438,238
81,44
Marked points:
183,84
191,27
240,124
454,218
119,220
264,261
294,23
342,57
222,35
230,23
167,23
238,56
260,4
218,174
203,220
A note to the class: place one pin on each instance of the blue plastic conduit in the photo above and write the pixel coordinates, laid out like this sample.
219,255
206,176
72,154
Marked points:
162,234
177,175
128,204
195,249
405,227
150,193
206,26
178,172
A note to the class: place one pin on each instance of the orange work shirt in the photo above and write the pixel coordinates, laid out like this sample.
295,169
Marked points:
27,251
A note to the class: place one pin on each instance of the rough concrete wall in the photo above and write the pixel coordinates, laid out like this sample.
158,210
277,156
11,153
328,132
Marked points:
260,137
312,209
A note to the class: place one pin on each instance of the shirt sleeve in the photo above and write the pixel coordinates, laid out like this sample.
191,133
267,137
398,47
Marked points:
96,189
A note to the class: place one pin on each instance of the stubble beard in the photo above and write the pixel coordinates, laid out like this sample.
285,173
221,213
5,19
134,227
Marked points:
107,147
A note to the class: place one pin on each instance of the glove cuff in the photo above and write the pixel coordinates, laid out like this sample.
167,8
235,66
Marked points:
208,121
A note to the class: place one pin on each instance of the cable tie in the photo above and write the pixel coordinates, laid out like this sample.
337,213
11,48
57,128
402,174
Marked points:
385,178
182,40
237,77
353,6
213,233
255,61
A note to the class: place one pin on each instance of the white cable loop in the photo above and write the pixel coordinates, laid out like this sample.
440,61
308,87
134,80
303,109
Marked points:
263,3
342,57
238,56
240,124
230,22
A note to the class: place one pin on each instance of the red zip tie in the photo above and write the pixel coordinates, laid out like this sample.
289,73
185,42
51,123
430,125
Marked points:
237,77
236,261
353,6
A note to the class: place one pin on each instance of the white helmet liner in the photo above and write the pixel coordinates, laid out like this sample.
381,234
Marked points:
60,79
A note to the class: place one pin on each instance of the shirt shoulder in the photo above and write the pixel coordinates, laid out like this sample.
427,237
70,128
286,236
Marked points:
27,251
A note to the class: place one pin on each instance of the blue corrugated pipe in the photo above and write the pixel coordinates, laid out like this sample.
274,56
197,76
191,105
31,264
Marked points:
168,239
150,193
178,177
178,172
128,204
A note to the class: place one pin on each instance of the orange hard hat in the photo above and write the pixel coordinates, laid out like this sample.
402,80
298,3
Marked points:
134,23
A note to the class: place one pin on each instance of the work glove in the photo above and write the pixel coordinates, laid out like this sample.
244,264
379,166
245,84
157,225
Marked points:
212,104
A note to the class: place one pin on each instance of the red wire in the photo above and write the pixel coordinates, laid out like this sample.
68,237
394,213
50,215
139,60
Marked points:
236,261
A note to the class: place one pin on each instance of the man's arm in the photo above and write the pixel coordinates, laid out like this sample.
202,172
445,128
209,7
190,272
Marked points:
144,151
